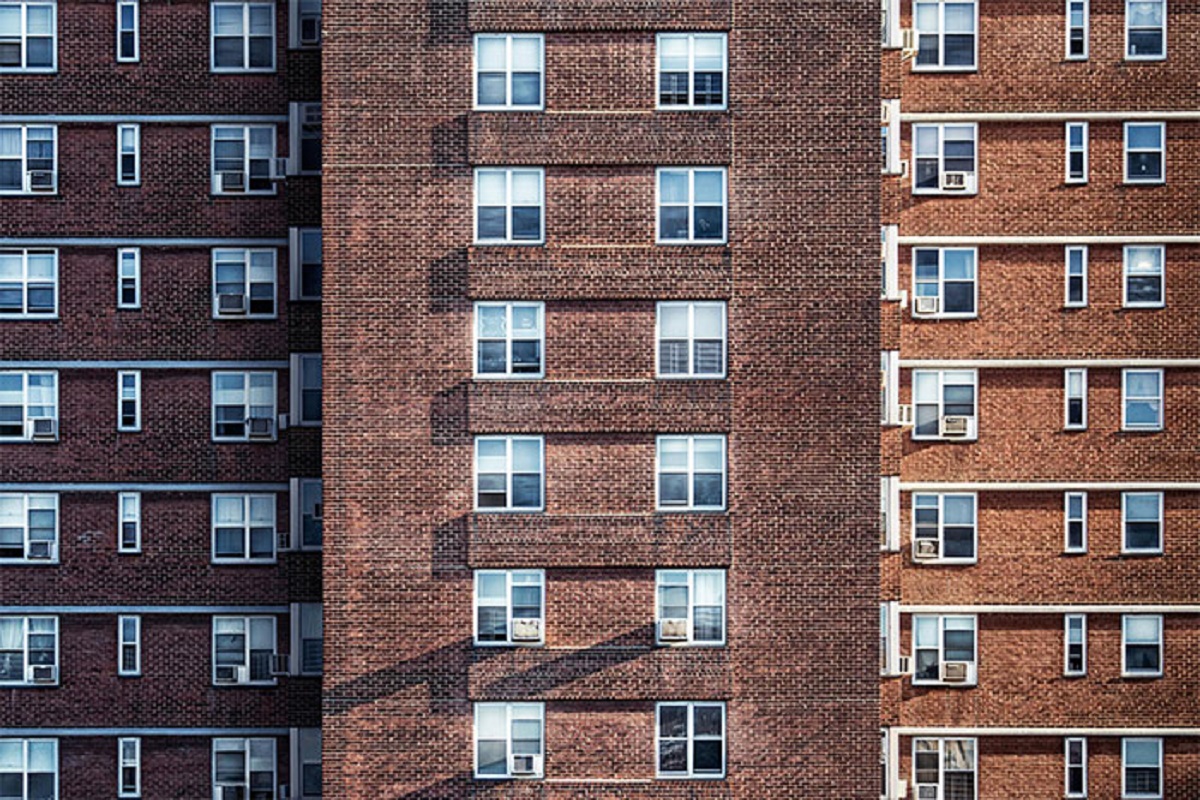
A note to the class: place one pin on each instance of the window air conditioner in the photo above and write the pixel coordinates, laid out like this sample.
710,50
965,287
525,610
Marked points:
43,673
231,303
927,791
956,426
283,540
44,428
310,29
261,427
905,665
279,168
231,182
231,793
926,305
955,671
672,630
955,181
908,40
885,117
280,664
904,415
526,764
924,549
230,674
526,630
40,551
41,180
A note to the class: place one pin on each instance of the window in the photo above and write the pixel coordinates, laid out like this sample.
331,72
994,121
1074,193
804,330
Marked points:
945,650
28,651
29,769
129,277
691,606
306,262
28,528
508,740
1077,149
307,506
691,71
509,607
509,340
890,135
889,387
1142,400
889,261
304,18
1145,150
945,768
243,406
129,401
945,282
690,740
945,404
308,635
1075,642
889,523
1141,768
1075,511
691,340
887,637
129,506
509,71
243,527
1144,284
129,767
244,283
1075,756
243,159
1142,520
1141,646
890,34
244,767
129,646
305,135
28,406
691,206
308,746
944,528
243,36
28,155
28,284
306,389
1075,392
509,206
944,158
691,473
27,36
1077,29
1145,29
946,34
1076,287
127,30
129,158
509,473
243,649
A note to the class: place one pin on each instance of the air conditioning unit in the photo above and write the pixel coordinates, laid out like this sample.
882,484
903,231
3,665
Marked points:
908,40
45,428
43,674
926,305
40,551
902,788
310,29
885,117
526,630
280,665
230,674
526,764
231,181
904,415
927,791
672,630
284,540
231,303
956,181
905,665
955,671
232,793
41,180
260,427
279,168
956,426
924,549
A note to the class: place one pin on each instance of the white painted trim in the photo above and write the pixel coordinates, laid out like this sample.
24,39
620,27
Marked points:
143,487
1050,609
148,119
100,241
143,610
1054,732
1031,239
108,732
1049,116
1045,486
1048,363
143,365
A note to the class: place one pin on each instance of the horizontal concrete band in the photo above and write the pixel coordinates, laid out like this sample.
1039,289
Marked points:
1051,609
144,241
1049,486
145,610
1046,363
143,364
147,119
928,731
1050,116
1021,239
51,486
28,733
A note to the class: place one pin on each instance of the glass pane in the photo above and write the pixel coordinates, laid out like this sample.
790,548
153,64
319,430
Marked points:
672,756
672,722
709,185
673,53
672,186
490,187
527,455
1141,507
707,721
526,54
526,89
706,756
527,189
490,54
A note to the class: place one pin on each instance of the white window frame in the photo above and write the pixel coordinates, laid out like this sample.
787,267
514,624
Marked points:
889,392
1127,256
244,745
212,37
26,182
1125,548
889,256
689,584
133,395
889,638
691,206
134,645
972,180
133,762
299,117
1082,766
24,5
1068,519
296,246
246,376
509,339
298,613
1080,621
135,152
42,499
509,473
1126,671
247,650
297,512
508,104
1156,57
942,281
513,712
691,373
25,771
26,280
302,756
531,577
890,37
1081,374
973,666
27,681
247,499
889,513
941,66
691,104
509,173
1085,11
296,13
245,256
129,512
1126,151
129,257
690,740
27,433
1160,399
1070,149
214,176
1126,794
1068,251
941,756
691,473
890,134
941,402
298,360
941,527
134,29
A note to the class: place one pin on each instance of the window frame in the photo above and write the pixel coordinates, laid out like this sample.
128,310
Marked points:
305,743
1082,250
941,757
1126,671
690,740
509,72
889,257
890,132
1126,152
24,5
215,184
246,405
135,259
1068,519
508,507
1080,621
135,644
136,153
27,681
971,186
296,247
297,512
26,499
123,519
226,255
941,527
973,665
135,399
1082,766
509,174
941,282
1070,149
296,14
247,525
1082,374
297,389
1156,57
941,66
941,403
1086,13
1126,274
691,38
1125,548
26,189
1125,793
26,281
661,583
510,585
25,759
135,30
27,432
134,763
298,665
889,513
300,130
889,391
247,649
245,746
245,36
1160,399
692,240
690,472
691,306
509,339
510,708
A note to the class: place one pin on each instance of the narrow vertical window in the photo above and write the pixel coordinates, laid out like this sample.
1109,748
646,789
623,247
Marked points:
889,261
129,646
1077,152
129,767
305,135
307,507
1075,753
129,155
1077,30
1075,511
889,513
1075,653
305,23
129,278
130,535
127,30
889,129
1076,276
129,401
1075,388
306,261
306,389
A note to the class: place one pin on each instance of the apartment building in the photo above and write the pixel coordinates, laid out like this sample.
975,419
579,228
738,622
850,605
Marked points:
160,400
1039,617
600,330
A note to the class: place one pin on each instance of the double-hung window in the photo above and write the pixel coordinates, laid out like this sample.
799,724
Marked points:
1075,516
945,282
944,158
129,646
1074,645
306,261
691,340
690,740
945,404
129,510
1142,769
510,607
243,528
243,649
944,528
509,473
691,205
691,606
129,401
244,283
945,768
28,284
1075,399
1142,522
1145,152
509,206
889,387
244,767
1075,757
308,639
28,528
889,513
28,651
1077,29
889,129
304,23
243,36
1145,30
1142,400
509,340
509,740
1145,283
243,159
28,406
307,767
129,767
1076,276
947,34
129,277
1077,152
1141,646
691,473
305,138
27,36
509,71
306,389
244,406
127,30
29,769
945,648
129,155
309,508
691,71
28,158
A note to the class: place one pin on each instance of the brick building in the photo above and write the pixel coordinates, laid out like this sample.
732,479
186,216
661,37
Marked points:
160,495
1039,628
